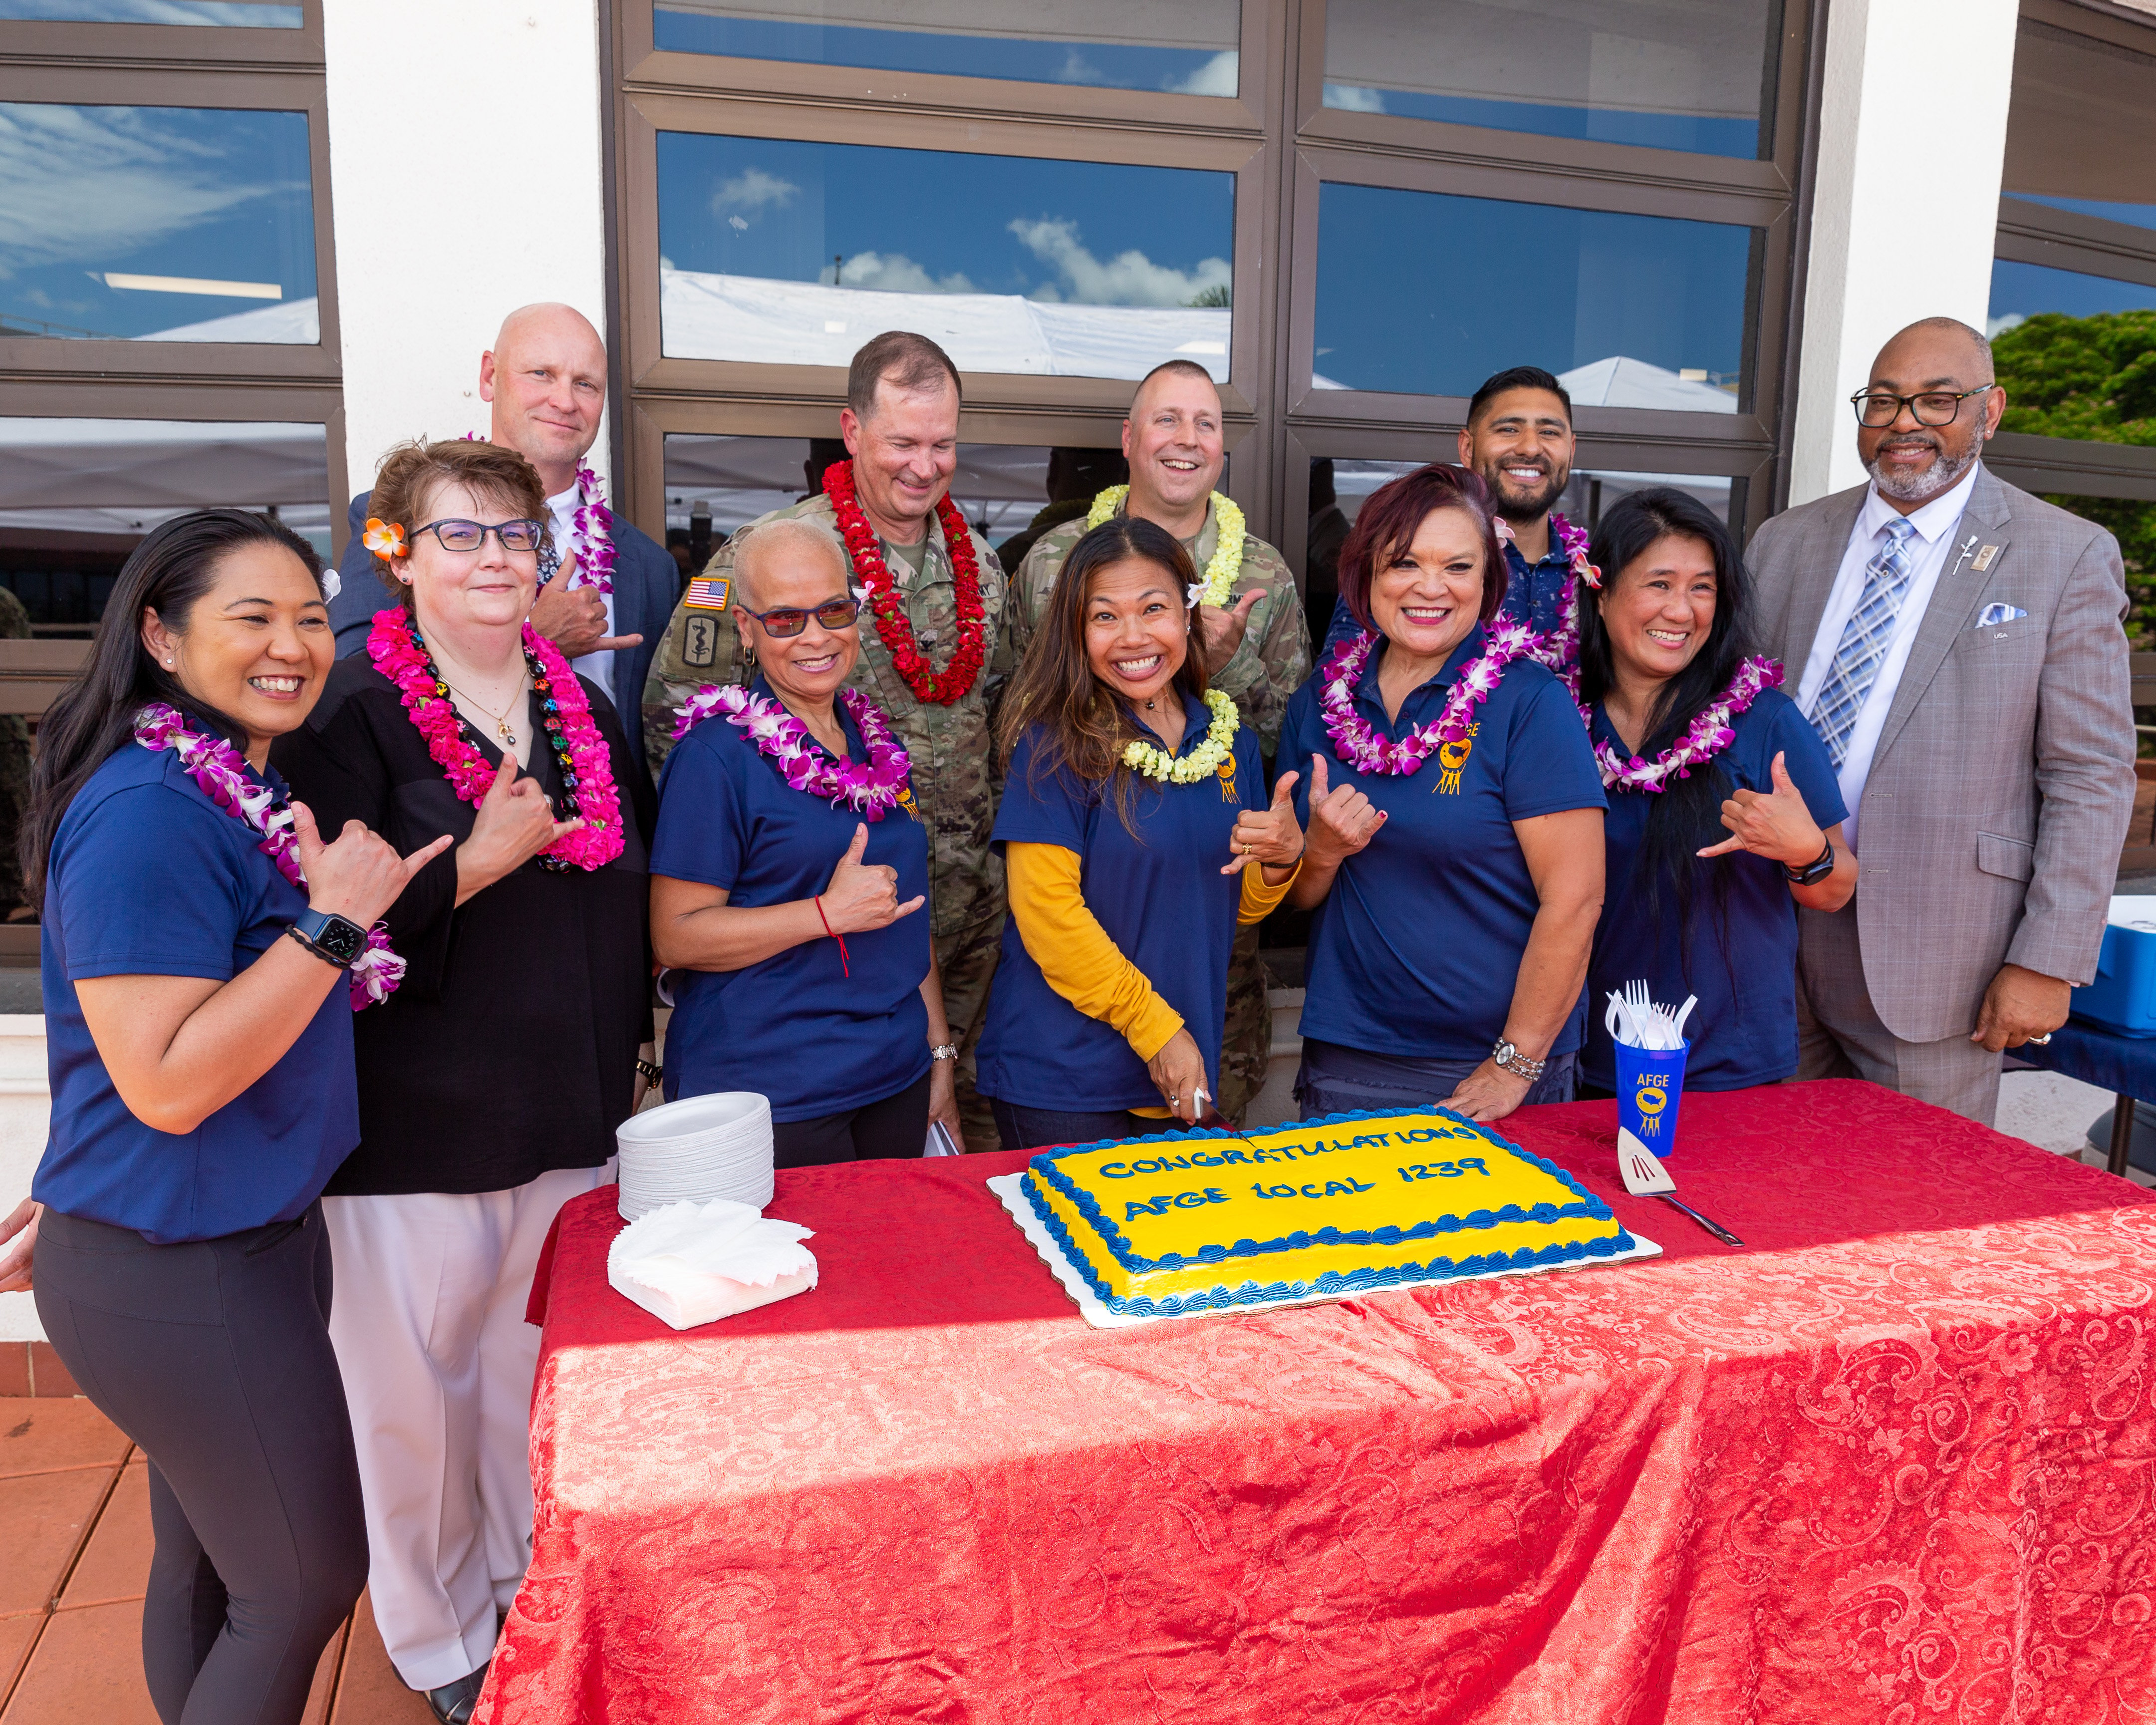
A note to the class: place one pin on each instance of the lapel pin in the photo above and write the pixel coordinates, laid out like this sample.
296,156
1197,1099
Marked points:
1984,558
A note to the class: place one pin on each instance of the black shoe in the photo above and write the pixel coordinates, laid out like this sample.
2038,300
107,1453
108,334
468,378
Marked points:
454,1703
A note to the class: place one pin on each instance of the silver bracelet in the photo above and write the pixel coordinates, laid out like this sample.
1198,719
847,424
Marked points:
1509,1057
943,1050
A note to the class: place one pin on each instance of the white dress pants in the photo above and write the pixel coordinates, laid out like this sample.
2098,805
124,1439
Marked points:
437,1362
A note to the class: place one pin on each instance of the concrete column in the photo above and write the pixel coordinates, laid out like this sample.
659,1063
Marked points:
26,1106
1912,135
467,178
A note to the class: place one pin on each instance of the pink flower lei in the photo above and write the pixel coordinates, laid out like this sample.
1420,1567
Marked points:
1707,736
1357,745
869,788
1559,649
221,771
397,650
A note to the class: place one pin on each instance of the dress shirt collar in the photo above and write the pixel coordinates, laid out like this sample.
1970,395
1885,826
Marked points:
1935,519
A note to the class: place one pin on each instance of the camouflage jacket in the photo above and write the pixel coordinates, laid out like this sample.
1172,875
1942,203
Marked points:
1271,662
954,780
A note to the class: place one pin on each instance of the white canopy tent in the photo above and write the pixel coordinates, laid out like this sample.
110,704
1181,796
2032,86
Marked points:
125,475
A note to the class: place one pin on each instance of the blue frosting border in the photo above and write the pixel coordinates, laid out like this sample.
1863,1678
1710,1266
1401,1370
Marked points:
1589,1207
1222,1297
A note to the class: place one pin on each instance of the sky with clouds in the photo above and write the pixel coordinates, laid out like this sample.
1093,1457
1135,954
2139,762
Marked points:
925,221
169,191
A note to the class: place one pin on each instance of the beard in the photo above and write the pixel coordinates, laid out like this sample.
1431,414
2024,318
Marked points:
1530,505
1943,474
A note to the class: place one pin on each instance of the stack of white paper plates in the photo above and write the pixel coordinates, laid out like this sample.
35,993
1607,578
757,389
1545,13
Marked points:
695,1150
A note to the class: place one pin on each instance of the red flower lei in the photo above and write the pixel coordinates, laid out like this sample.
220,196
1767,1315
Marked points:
950,688
397,651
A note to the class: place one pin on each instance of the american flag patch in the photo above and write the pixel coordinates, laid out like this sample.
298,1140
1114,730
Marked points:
709,593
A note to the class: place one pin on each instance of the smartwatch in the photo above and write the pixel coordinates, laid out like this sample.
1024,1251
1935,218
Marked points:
329,936
1813,872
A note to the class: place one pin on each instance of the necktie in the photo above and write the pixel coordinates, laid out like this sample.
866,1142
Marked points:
1865,640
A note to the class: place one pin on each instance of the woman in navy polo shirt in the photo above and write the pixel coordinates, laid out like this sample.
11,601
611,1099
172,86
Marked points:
199,1022
1706,871
789,862
1455,830
1133,800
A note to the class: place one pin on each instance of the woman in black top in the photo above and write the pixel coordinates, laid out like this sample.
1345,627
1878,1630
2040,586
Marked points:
491,1083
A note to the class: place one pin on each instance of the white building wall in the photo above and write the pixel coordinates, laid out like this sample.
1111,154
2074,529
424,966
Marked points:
25,1109
466,179
1912,136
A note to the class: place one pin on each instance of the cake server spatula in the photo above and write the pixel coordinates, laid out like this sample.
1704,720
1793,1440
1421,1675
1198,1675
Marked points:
1646,1177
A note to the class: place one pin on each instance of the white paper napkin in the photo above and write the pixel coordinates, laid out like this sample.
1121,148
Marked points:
690,1264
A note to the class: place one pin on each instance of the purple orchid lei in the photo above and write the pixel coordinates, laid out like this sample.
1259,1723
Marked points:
1559,649
1356,745
869,788
1708,735
221,771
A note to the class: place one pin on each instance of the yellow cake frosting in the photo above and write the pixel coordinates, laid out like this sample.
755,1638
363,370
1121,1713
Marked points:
1201,1220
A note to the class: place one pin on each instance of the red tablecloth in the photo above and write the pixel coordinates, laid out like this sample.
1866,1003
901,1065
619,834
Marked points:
1894,1462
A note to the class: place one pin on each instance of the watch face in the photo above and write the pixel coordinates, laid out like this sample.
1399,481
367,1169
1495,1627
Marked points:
342,941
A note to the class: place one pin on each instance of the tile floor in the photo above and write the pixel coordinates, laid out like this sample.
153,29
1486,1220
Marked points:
74,1523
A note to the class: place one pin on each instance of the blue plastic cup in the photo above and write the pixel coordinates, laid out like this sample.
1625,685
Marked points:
1650,1086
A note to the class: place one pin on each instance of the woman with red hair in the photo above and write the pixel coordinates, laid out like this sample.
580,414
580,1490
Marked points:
1454,814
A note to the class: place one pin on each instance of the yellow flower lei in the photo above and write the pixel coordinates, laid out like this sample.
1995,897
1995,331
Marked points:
1203,761
1227,561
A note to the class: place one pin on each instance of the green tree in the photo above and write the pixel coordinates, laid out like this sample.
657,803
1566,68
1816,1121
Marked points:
2093,378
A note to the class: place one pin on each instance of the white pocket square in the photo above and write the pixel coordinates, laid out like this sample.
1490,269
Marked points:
1992,615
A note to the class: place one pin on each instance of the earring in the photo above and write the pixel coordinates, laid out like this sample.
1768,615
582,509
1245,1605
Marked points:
168,665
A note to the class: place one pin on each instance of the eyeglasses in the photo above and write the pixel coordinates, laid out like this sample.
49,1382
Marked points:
832,614
1934,407
470,535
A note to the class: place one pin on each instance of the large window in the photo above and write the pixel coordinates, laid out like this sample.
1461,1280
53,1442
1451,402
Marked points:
1351,212
2073,286
167,306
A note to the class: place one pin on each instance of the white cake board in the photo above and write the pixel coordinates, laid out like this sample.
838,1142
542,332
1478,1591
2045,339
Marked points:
1097,1313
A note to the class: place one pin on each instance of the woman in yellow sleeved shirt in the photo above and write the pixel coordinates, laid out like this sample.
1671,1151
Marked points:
1133,798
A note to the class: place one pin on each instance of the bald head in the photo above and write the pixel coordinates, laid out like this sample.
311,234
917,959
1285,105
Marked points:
1939,335
546,377
805,561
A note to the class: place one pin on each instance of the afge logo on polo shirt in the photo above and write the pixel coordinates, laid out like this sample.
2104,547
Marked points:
1226,773
1451,758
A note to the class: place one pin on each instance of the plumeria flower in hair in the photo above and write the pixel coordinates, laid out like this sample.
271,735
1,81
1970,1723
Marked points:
385,539
1193,594
1591,573
1504,530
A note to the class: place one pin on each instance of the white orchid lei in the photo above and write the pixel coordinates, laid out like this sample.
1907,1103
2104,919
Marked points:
1212,588
1202,763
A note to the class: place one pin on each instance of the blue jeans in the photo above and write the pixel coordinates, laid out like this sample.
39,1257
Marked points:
1039,1128
1334,1079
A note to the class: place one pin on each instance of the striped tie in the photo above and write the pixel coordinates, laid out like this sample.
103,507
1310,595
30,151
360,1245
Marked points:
1865,640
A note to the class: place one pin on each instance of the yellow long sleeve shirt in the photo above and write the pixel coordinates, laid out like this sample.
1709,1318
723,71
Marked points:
1079,961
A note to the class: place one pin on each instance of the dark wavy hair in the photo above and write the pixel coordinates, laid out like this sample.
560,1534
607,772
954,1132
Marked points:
1385,526
1687,814
94,716
1084,726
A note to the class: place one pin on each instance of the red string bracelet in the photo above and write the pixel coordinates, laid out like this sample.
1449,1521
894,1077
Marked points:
845,968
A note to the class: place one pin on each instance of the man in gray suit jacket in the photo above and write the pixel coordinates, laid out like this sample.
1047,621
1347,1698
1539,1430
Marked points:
1957,643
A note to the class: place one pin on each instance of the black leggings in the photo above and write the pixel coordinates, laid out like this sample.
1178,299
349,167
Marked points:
214,1356
896,1126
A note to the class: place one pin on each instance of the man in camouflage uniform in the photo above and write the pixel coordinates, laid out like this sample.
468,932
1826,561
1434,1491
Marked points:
1257,648
902,429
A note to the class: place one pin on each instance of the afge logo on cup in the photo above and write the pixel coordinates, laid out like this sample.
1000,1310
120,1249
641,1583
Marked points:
1651,1094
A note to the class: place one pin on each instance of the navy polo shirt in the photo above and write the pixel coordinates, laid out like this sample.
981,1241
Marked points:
1157,892
796,1027
1741,959
1414,950
1534,594
148,877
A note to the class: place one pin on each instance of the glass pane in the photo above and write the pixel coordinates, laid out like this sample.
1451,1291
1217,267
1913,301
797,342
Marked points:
157,224
797,253
1339,486
2132,522
1630,311
2080,130
231,14
76,495
2021,291
1189,48
1674,74
2085,378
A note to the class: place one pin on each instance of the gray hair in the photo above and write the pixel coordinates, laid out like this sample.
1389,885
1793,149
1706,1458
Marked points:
752,542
